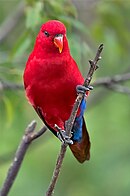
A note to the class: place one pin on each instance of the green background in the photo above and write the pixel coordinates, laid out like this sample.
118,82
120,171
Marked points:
89,23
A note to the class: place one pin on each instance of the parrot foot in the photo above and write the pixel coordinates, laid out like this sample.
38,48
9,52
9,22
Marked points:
82,89
61,134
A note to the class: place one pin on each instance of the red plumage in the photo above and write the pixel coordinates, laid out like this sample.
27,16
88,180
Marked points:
50,79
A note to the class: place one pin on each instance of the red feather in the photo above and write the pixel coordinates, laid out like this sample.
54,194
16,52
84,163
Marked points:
50,78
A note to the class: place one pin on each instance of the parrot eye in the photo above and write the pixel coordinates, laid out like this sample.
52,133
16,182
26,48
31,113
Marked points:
46,34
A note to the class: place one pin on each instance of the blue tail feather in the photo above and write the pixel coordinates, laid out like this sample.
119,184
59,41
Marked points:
77,128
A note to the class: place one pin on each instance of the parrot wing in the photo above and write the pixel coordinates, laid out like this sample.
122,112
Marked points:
39,112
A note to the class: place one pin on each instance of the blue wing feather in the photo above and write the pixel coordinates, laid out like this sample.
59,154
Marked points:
77,128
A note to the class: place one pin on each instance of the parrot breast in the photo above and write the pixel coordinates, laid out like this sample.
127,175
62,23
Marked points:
51,86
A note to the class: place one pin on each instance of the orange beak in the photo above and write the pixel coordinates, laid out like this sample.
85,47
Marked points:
58,41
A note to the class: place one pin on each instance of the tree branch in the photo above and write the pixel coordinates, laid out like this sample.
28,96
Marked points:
107,82
69,123
28,137
119,88
113,83
57,169
4,85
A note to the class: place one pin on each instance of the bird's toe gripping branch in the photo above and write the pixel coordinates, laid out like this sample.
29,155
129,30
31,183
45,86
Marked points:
83,89
61,134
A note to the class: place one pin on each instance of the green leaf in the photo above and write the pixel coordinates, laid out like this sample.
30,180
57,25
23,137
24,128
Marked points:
22,48
34,15
75,23
9,110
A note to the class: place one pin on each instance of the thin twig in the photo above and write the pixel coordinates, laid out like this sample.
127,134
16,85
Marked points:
28,137
112,80
119,88
57,169
70,122
4,85
113,83
104,81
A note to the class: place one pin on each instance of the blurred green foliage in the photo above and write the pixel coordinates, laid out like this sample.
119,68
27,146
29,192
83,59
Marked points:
108,113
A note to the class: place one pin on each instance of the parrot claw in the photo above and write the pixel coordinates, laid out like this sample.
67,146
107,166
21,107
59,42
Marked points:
83,89
61,134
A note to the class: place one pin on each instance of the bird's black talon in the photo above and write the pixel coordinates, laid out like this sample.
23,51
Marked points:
61,134
90,87
83,89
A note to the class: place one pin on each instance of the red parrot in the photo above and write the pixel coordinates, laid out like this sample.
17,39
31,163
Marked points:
50,80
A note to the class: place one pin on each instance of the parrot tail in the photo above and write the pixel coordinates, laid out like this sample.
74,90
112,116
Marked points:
81,148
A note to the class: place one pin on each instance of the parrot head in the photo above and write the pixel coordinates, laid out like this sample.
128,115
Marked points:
52,36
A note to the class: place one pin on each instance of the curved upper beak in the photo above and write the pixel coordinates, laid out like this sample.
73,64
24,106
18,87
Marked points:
58,41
